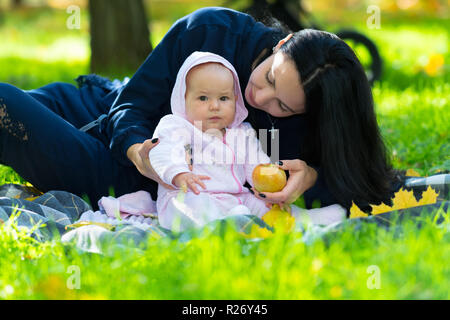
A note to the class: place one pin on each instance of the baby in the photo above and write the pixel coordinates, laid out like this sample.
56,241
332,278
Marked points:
207,120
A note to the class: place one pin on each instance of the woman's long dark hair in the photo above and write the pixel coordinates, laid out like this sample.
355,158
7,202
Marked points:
344,138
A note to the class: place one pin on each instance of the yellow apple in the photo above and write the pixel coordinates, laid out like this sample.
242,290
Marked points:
268,178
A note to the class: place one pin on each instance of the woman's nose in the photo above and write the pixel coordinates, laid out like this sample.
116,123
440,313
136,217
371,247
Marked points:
263,95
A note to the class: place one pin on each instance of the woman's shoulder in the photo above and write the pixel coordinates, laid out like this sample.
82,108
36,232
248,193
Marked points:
218,16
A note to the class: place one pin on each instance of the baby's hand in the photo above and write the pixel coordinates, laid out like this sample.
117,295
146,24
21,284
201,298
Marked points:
187,179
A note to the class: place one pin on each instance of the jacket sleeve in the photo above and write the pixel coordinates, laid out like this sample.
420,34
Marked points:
146,97
168,156
142,102
253,148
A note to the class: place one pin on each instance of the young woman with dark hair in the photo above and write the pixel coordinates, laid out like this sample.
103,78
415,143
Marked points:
343,137
308,88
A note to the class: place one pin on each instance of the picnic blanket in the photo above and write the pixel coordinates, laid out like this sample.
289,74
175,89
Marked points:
57,211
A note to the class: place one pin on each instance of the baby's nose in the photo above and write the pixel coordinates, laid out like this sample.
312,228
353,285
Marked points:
214,104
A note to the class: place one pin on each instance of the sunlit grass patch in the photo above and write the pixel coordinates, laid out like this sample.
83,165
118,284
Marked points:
31,73
357,263
415,126
68,48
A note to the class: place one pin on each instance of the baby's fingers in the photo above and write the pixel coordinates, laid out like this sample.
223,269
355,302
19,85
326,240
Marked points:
199,181
200,178
192,186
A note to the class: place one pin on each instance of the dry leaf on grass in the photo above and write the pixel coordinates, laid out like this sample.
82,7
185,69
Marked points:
402,199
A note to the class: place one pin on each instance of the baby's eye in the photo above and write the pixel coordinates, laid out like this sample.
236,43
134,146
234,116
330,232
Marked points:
203,98
224,98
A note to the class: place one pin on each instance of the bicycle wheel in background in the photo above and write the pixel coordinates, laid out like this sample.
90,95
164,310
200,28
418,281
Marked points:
366,52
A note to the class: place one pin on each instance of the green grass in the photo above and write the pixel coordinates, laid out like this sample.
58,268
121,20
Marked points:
413,112
411,264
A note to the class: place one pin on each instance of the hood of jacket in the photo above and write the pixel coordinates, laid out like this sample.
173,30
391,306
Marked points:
177,100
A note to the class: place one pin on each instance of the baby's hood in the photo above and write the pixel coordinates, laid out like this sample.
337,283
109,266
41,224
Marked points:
178,94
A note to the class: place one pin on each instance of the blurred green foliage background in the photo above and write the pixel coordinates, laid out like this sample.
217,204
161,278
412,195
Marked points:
412,97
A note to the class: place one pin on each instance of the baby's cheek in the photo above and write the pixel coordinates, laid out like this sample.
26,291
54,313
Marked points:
232,111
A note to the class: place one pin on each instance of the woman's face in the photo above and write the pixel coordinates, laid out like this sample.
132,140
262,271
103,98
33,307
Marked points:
274,86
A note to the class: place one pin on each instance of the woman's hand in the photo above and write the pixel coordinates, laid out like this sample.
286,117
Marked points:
138,154
301,178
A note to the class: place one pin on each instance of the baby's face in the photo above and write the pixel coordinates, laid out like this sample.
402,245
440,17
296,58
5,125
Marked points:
210,98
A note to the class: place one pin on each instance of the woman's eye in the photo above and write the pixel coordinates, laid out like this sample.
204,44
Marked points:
267,78
203,98
282,108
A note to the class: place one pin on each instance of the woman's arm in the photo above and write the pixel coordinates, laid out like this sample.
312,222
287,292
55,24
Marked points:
146,97
138,154
144,100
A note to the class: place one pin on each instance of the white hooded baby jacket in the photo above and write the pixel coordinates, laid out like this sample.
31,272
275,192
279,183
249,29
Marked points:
229,162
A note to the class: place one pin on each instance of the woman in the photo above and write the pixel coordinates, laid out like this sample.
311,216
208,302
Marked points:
309,87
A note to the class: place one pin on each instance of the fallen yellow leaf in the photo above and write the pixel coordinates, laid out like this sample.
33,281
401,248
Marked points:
428,197
382,208
31,198
107,226
356,212
279,219
412,173
434,65
87,296
257,232
54,287
404,199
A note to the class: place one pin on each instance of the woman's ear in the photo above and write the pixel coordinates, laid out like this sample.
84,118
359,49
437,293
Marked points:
281,42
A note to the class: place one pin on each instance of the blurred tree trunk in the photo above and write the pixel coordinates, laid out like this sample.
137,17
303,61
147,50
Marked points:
120,37
16,3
